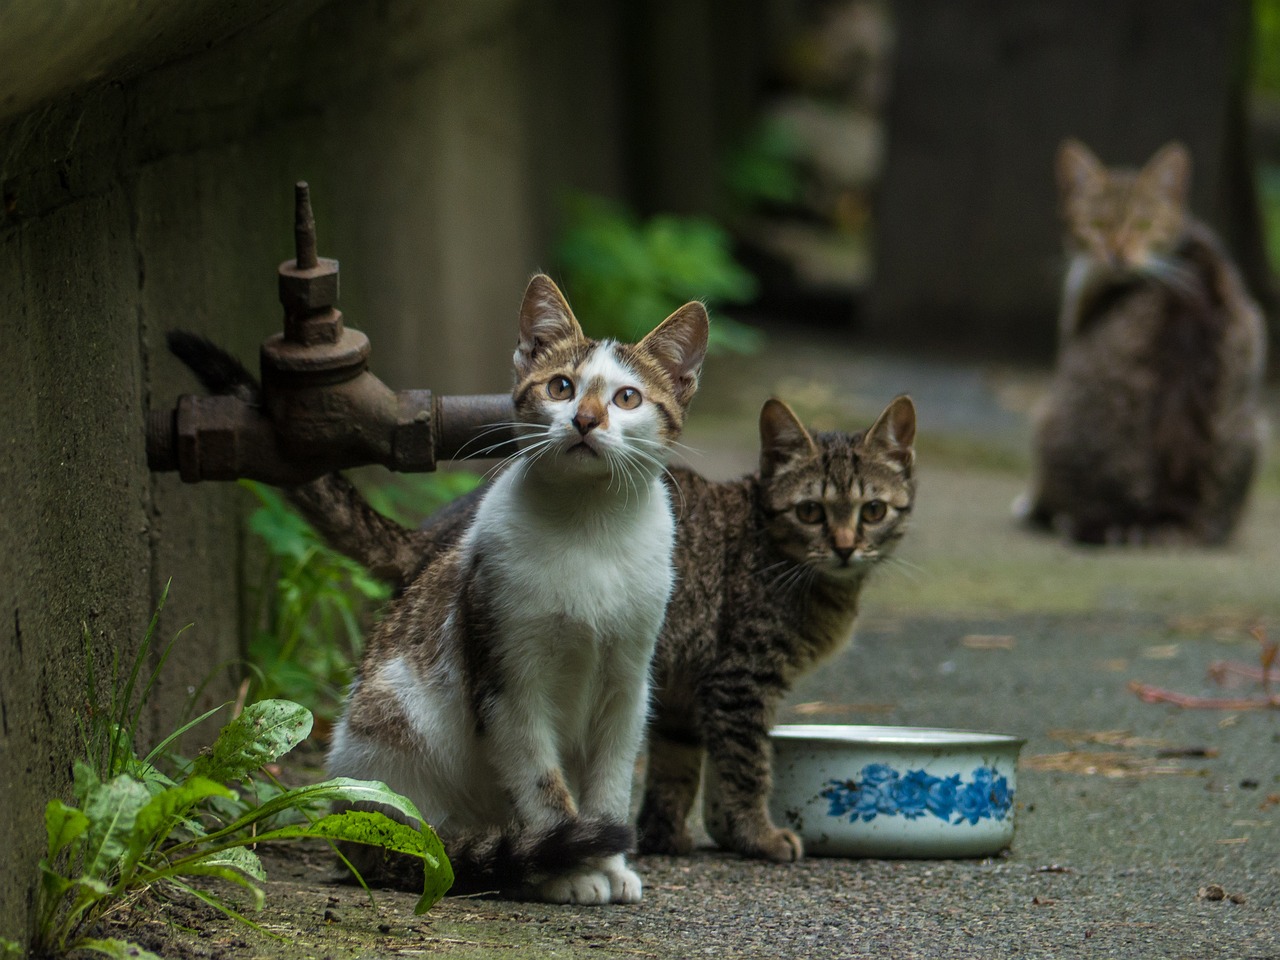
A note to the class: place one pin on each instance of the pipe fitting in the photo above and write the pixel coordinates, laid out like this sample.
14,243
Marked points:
321,410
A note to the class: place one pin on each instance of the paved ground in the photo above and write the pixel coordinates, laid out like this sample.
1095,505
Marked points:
1128,813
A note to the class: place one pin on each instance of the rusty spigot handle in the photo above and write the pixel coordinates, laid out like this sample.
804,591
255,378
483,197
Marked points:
304,227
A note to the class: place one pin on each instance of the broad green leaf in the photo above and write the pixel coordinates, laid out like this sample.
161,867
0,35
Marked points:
164,810
237,858
266,730
375,829
435,883
63,824
360,826
85,779
337,790
121,949
112,809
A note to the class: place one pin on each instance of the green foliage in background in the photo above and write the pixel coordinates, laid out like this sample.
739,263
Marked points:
158,822
1266,84
764,169
1269,194
311,602
623,275
1266,46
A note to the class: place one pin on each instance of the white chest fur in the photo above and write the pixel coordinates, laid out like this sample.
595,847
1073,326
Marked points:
593,563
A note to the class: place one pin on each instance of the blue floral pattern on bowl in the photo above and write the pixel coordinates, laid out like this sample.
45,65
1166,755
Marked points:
883,791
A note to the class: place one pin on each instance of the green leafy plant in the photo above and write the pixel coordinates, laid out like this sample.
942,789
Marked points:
136,828
312,602
764,168
623,274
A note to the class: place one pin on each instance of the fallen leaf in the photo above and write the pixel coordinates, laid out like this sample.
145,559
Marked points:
1105,763
1150,694
822,708
1109,738
1161,651
987,641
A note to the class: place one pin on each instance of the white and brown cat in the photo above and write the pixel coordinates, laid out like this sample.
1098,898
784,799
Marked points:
1151,430
505,690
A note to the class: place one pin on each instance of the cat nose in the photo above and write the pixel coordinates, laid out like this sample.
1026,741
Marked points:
589,415
842,542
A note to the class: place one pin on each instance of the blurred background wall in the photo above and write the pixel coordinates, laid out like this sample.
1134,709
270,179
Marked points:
882,169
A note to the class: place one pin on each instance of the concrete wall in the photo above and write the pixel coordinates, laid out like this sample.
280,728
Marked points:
435,135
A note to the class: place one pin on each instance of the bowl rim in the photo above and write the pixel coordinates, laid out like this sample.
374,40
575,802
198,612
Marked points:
889,736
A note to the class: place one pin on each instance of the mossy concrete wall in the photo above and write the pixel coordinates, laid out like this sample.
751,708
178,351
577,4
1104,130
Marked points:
435,136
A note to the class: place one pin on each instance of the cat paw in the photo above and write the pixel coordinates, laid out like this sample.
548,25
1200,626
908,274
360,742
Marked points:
624,883
583,887
780,846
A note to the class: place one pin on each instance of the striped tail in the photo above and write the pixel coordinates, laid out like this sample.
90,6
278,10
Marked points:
508,859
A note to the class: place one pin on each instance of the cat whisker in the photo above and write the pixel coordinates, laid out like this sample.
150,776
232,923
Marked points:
660,463
529,454
908,569
514,425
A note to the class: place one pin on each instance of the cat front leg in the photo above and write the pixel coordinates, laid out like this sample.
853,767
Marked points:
609,769
735,723
671,783
524,756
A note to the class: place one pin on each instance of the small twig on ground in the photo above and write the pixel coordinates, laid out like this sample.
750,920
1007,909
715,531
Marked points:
1149,694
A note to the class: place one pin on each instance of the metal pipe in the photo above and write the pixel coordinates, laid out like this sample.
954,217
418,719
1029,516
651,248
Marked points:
321,409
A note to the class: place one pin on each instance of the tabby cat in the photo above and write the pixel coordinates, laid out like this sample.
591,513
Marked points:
1151,429
505,690
769,571
770,568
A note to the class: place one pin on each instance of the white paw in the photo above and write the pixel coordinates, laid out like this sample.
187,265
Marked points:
624,883
587,887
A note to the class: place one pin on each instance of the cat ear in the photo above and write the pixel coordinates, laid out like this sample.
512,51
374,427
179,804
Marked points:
1077,167
545,318
679,344
1169,171
894,432
782,437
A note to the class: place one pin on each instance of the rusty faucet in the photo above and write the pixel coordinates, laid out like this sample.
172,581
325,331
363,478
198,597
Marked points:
322,410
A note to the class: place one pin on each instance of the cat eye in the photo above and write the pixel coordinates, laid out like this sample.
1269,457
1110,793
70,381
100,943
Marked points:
628,398
560,388
810,511
873,511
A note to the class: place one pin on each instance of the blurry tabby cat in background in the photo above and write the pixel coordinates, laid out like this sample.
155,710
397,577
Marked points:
1151,429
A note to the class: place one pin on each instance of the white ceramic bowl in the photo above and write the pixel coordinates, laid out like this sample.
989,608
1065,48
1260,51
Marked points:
866,791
